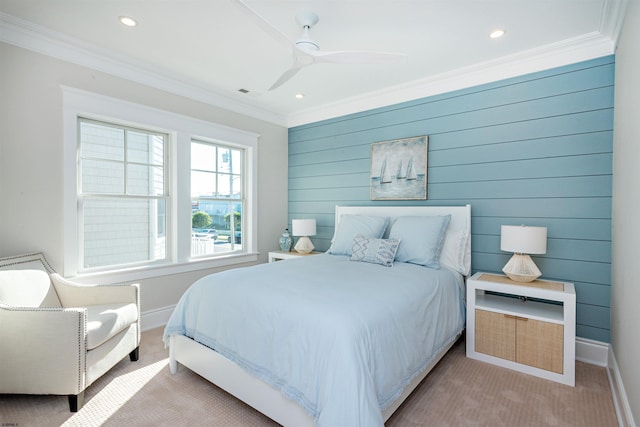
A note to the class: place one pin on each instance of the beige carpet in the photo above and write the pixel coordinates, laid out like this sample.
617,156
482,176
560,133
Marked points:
458,392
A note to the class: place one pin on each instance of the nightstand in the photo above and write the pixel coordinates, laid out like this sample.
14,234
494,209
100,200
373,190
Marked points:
529,327
282,255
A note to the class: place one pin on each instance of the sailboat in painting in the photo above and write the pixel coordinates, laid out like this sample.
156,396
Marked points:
385,178
411,174
399,174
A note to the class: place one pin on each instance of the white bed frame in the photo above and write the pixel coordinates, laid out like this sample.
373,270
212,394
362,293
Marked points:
262,396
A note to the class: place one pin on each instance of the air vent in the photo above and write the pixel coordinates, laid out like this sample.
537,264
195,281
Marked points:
244,91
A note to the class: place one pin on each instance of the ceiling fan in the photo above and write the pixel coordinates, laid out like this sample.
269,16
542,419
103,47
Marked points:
307,52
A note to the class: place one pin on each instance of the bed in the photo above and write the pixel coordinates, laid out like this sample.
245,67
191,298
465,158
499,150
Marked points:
340,338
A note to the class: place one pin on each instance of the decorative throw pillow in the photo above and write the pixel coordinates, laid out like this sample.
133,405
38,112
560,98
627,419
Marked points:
375,251
422,238
351,225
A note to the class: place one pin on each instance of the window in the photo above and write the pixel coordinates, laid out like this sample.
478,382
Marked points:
121,195
134,178
217,198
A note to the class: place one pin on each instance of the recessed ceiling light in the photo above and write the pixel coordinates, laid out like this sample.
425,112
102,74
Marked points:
496,34
128,21
299,95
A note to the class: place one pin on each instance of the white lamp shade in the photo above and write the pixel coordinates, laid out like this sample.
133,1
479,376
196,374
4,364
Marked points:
303,227
522,239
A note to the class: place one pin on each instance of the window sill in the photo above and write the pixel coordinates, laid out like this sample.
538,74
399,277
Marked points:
149,272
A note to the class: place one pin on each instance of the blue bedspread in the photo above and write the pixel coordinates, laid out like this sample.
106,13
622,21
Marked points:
340,338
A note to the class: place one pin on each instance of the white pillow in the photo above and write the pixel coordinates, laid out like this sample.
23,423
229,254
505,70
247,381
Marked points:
352,225
421,238
455,251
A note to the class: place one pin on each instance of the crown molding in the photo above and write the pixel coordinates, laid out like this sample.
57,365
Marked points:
613,12
39,39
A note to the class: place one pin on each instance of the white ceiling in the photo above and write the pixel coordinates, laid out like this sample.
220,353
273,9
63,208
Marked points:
208,49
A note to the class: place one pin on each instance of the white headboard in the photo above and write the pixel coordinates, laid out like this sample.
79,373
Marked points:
456,251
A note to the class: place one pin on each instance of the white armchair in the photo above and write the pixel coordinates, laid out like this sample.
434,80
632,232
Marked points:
57,337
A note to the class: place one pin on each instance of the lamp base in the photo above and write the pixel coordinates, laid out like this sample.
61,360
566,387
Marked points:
521,268
304,245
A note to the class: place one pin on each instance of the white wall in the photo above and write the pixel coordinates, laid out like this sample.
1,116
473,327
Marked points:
31,162
625,293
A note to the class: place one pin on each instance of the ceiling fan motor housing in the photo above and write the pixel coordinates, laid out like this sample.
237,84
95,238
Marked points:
307,20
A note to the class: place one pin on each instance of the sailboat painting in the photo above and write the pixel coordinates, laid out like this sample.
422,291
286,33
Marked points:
399,169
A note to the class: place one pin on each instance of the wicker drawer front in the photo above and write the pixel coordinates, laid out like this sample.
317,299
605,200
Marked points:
540,344
495,334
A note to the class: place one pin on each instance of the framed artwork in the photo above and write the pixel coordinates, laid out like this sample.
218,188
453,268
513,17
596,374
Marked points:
399,169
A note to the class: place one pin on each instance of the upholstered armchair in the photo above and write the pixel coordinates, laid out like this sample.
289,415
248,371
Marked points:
57,337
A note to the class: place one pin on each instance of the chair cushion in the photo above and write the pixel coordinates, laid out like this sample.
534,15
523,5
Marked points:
27,288
105,321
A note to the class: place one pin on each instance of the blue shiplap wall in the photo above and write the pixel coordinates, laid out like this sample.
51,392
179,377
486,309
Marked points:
534,150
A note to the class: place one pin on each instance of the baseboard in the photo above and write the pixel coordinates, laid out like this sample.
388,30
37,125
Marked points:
155,318
620,401
601,354
592,352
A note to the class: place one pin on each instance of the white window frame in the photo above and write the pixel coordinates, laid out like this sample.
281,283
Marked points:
181,130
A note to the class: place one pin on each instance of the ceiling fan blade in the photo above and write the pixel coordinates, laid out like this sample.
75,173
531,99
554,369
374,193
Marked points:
358,57
264,24
286,76
300,59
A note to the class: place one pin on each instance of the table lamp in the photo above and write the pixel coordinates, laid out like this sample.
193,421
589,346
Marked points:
522,241
303,228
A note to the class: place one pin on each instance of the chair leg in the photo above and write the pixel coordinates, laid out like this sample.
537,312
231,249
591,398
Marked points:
133,356
76,401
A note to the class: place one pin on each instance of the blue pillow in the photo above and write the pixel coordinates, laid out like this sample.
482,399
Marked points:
375,251
421,238
351,225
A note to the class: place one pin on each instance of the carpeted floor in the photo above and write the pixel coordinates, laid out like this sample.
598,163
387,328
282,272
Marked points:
458,392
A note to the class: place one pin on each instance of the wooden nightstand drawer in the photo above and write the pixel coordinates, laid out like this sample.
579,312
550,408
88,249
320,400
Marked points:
519,339
539,344
496,334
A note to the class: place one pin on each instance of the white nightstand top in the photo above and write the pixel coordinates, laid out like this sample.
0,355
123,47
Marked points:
547,289
282,255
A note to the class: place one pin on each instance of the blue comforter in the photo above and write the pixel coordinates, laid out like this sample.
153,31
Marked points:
340,338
